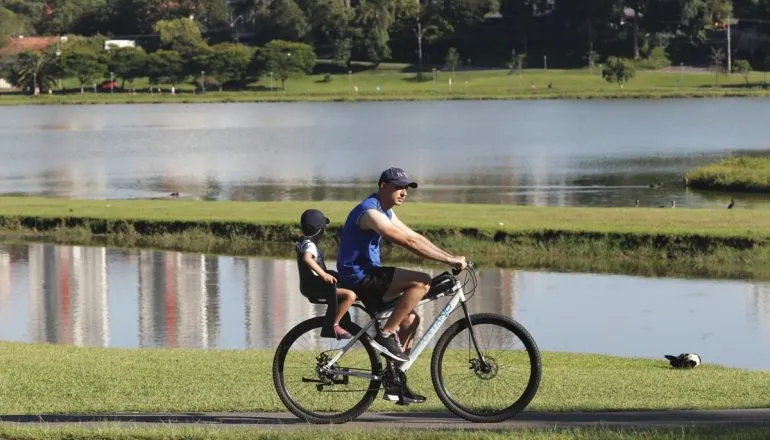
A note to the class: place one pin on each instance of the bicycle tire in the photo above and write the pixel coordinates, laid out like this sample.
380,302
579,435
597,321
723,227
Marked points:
295,407
535,371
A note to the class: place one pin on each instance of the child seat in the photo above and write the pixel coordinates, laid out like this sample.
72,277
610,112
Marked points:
315,290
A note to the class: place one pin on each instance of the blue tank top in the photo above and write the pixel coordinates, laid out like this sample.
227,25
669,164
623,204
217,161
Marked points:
359,249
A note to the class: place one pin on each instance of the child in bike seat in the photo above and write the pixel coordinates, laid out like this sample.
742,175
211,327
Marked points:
316,281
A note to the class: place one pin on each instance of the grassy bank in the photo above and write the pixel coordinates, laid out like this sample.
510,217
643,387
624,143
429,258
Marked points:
110,432
40,378
195,433
392,82
717,243
747,174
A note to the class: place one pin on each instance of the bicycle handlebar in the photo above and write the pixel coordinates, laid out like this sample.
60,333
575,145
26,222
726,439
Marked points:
468,265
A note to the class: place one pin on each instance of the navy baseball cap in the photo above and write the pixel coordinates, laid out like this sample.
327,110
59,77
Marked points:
398,177
312,222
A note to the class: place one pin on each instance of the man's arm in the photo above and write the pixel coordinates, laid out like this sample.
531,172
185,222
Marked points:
410,232
380,223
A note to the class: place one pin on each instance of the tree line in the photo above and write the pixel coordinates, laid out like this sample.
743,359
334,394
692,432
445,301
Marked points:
182,56
566,33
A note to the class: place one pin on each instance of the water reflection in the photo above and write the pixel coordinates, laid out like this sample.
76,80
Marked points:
565,153
178,299
68,295
141,298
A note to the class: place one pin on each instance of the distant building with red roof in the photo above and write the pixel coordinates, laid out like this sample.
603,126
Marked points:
20,44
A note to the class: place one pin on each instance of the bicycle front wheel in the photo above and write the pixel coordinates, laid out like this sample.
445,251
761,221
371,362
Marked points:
319,396
489,391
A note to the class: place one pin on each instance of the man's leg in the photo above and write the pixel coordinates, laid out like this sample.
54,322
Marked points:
415,286
408,329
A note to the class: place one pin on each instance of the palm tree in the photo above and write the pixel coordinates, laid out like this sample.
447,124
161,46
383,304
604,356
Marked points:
29,69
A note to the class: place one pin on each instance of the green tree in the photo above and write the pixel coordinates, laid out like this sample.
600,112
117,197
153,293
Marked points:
452,59
742,67
181,35
94,43
717,59
10,25
228,62
26,12
467,12
146,13
70,16
592,57
697,16
128,63
765,67
213,13
330,25
29,69
165,66
520,17
374,18
588,18
342,52
278,19
430,28
618,70
518,60
434,27
285,59
84,64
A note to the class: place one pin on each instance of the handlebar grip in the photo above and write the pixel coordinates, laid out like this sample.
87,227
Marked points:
469,265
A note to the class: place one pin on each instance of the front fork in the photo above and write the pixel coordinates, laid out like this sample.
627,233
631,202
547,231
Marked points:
481,361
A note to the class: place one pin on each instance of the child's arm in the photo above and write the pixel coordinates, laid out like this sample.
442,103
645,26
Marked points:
309,259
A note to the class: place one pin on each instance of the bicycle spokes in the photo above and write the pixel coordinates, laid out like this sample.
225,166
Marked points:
316,390
487,372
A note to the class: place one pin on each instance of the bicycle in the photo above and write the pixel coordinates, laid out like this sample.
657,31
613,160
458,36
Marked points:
339,380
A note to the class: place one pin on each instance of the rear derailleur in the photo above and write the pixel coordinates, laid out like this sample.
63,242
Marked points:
325,377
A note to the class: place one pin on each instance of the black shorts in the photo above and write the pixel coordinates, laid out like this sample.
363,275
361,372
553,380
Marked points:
373,286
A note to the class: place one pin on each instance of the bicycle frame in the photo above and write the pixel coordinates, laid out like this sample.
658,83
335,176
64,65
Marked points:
458,298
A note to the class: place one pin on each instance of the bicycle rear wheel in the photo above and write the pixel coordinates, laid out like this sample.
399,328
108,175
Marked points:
491,393
322,397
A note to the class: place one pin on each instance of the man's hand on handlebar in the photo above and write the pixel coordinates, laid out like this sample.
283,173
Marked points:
458,264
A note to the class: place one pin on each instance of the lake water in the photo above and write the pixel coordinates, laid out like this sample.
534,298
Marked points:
588,153
105,297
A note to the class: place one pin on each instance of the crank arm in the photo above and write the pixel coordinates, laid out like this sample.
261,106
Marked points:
353,373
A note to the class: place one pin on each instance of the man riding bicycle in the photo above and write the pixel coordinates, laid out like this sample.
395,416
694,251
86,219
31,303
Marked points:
359,267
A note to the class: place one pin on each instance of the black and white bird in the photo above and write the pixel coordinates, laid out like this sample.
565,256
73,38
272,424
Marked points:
684,360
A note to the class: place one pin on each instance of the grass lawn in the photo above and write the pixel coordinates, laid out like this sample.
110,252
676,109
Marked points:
43,378
486,218
337,433
641,241
390,82
750,174
108,432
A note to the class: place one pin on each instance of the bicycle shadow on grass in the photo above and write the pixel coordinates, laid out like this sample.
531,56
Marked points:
182,418
219,418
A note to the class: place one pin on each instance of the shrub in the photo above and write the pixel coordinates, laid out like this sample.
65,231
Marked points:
657,59
618,70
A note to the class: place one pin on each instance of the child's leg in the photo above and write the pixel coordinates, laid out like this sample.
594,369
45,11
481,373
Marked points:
345,298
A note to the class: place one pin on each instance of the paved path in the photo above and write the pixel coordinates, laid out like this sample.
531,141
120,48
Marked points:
418,420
